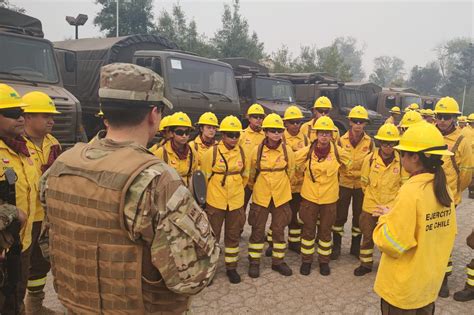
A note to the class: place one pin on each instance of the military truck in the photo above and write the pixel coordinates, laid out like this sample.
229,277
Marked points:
28,64
255,85
193,84
343,96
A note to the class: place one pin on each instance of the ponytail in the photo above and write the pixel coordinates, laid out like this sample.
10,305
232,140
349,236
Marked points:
433,164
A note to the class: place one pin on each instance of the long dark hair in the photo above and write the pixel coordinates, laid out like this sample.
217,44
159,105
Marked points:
433,163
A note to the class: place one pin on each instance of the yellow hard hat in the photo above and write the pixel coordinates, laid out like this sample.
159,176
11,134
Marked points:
423,138
164,123
428,112
180,119
208,118
255,109
447,105
410,118
395,110
39,102
230,124
293,112
9,98
322,102
462,119
324,123
388,132
470,118
358,112
273,121
414,106
407,109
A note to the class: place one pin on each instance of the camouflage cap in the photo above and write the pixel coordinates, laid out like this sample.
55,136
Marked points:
126,81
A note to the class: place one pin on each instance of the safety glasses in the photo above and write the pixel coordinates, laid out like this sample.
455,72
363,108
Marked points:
388,143
274,130
12,113
233,135
182,132
444,116
294,122
323,111
358,121
258,117
326,133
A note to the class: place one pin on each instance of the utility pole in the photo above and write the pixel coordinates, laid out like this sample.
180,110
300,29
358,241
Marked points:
117,19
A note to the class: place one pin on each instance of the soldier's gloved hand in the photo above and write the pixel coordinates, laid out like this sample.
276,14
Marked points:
6,240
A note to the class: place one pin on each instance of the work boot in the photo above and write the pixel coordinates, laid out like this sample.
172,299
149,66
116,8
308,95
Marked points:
464,295
283,269
34,304
361,270
296,247
233,276
305,269
254,271
444,291
355,245
324,269
269,251
336,246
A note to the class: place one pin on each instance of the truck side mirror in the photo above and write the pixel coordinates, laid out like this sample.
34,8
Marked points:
70,61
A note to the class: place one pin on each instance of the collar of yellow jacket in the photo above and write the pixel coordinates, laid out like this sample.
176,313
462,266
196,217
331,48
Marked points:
221,147
454,135
299,135
249,130
365,137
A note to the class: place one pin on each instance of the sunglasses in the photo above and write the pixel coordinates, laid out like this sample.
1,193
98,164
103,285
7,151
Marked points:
259,117
182,132
323,111
358,121
444,116
12,113
294,122
388,143
274,130
233,135
324,132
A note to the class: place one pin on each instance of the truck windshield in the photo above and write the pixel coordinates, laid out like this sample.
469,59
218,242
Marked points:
268,89
407,100
26,59
201,77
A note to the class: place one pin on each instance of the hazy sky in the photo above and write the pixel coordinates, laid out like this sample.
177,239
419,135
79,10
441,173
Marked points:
406,29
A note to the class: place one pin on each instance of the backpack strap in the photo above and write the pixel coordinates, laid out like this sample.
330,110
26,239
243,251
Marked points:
242,154
371,160
305,140
453,157
257,164
336,153
191,159
309,157
259,158
196,146
165,155
371,145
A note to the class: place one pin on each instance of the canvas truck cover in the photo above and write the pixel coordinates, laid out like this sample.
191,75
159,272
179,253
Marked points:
93,53
14,22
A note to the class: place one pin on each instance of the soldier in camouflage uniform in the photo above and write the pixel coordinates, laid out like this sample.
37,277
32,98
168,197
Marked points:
126,236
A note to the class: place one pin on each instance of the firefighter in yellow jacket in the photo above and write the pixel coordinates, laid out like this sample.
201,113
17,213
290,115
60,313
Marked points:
45,148
164,132
319,162
468,132
16,157
206,138
462,121
410,118
227,172
394,115
428,115
381,176
416,235
271,171
358,144
176,152
458,167
322,107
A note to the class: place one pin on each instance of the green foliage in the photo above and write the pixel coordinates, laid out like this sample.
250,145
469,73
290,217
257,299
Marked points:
331,62
388,71
135,17
425,80
351,55
282,60
233,39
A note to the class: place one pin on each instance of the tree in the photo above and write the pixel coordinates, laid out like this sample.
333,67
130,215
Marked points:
307,61
351,55
176,28
331,62
7,5
233,39
425,80
135,17
387,71
282,60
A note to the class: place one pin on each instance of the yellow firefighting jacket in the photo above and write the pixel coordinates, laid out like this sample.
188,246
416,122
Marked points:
379,182
468,133
250,139
320,183
416,238
350,176
390,120
26,187
458,168
40,156
200,148
227,173
307,130
185,168
272,181
296,143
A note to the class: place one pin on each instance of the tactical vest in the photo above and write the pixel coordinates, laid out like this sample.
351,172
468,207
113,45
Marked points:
96,267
